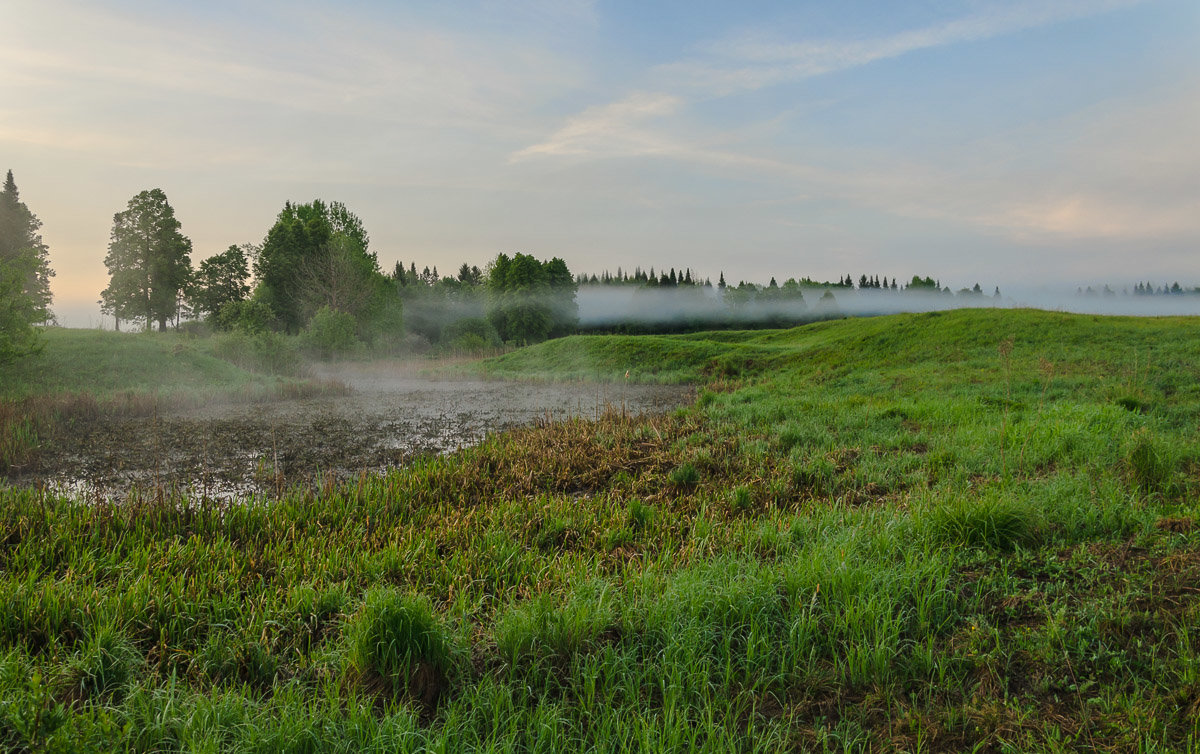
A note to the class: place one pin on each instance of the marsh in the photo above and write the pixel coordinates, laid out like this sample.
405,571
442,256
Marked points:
384,418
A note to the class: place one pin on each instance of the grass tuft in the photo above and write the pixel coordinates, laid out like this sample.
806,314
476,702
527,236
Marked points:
1148,465
395,638
104,665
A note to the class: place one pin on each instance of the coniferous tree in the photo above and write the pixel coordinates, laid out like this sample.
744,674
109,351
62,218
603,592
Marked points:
21,247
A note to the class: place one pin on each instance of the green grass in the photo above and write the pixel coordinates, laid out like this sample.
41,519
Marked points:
104,364
972,530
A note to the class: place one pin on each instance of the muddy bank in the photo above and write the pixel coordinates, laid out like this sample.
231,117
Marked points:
390,416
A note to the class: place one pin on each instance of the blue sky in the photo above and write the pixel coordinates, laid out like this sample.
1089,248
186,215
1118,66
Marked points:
1009,143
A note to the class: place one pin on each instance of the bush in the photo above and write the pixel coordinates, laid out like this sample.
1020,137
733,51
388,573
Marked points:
249,317
267,352
397,638
330,333
472,334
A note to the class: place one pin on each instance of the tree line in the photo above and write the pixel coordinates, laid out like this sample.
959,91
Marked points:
315,275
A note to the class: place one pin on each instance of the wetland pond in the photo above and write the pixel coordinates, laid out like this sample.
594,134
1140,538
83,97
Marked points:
388,417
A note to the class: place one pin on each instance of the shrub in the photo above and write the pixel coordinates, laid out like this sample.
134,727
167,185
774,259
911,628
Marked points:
330,333
266,351
249,317
472,334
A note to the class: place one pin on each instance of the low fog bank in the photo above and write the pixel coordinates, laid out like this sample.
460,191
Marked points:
616,306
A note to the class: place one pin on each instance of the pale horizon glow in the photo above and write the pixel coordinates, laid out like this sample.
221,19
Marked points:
1029,145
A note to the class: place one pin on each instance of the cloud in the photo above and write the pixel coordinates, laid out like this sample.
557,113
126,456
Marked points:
611,130
297,80
755,61
624,127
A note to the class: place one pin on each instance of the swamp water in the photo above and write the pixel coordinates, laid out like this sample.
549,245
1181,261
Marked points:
227,451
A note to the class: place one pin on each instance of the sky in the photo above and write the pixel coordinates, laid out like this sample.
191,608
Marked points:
1020,144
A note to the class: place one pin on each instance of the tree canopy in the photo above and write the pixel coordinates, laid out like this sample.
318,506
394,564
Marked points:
148,261
317,255
529,300
219,280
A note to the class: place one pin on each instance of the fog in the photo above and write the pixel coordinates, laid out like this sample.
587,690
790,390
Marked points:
615,306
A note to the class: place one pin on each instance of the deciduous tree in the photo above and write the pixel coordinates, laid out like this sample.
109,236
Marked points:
219,280
148,261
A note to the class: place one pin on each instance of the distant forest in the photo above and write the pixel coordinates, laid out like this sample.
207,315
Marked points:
316,277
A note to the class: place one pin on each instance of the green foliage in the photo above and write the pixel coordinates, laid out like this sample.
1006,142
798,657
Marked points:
640,514
853,568
18,311
105,663
148,261
530,301
1148,464
684,475
251,316
472,334
219,281
397,637
990,522
316,255
741,499
267,352
330,333
23,255
544,631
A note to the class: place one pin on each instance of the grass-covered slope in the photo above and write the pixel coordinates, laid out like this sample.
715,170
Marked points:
105,363
975,530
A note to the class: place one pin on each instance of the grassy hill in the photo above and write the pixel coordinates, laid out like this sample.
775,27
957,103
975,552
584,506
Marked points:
105,363
969,530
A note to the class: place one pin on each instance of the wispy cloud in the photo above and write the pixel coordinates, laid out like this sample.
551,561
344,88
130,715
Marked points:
626,126
610,130
757,60
154,78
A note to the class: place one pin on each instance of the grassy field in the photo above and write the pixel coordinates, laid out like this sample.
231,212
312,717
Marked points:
960,531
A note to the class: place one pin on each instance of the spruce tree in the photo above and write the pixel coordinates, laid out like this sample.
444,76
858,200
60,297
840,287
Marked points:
21,246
